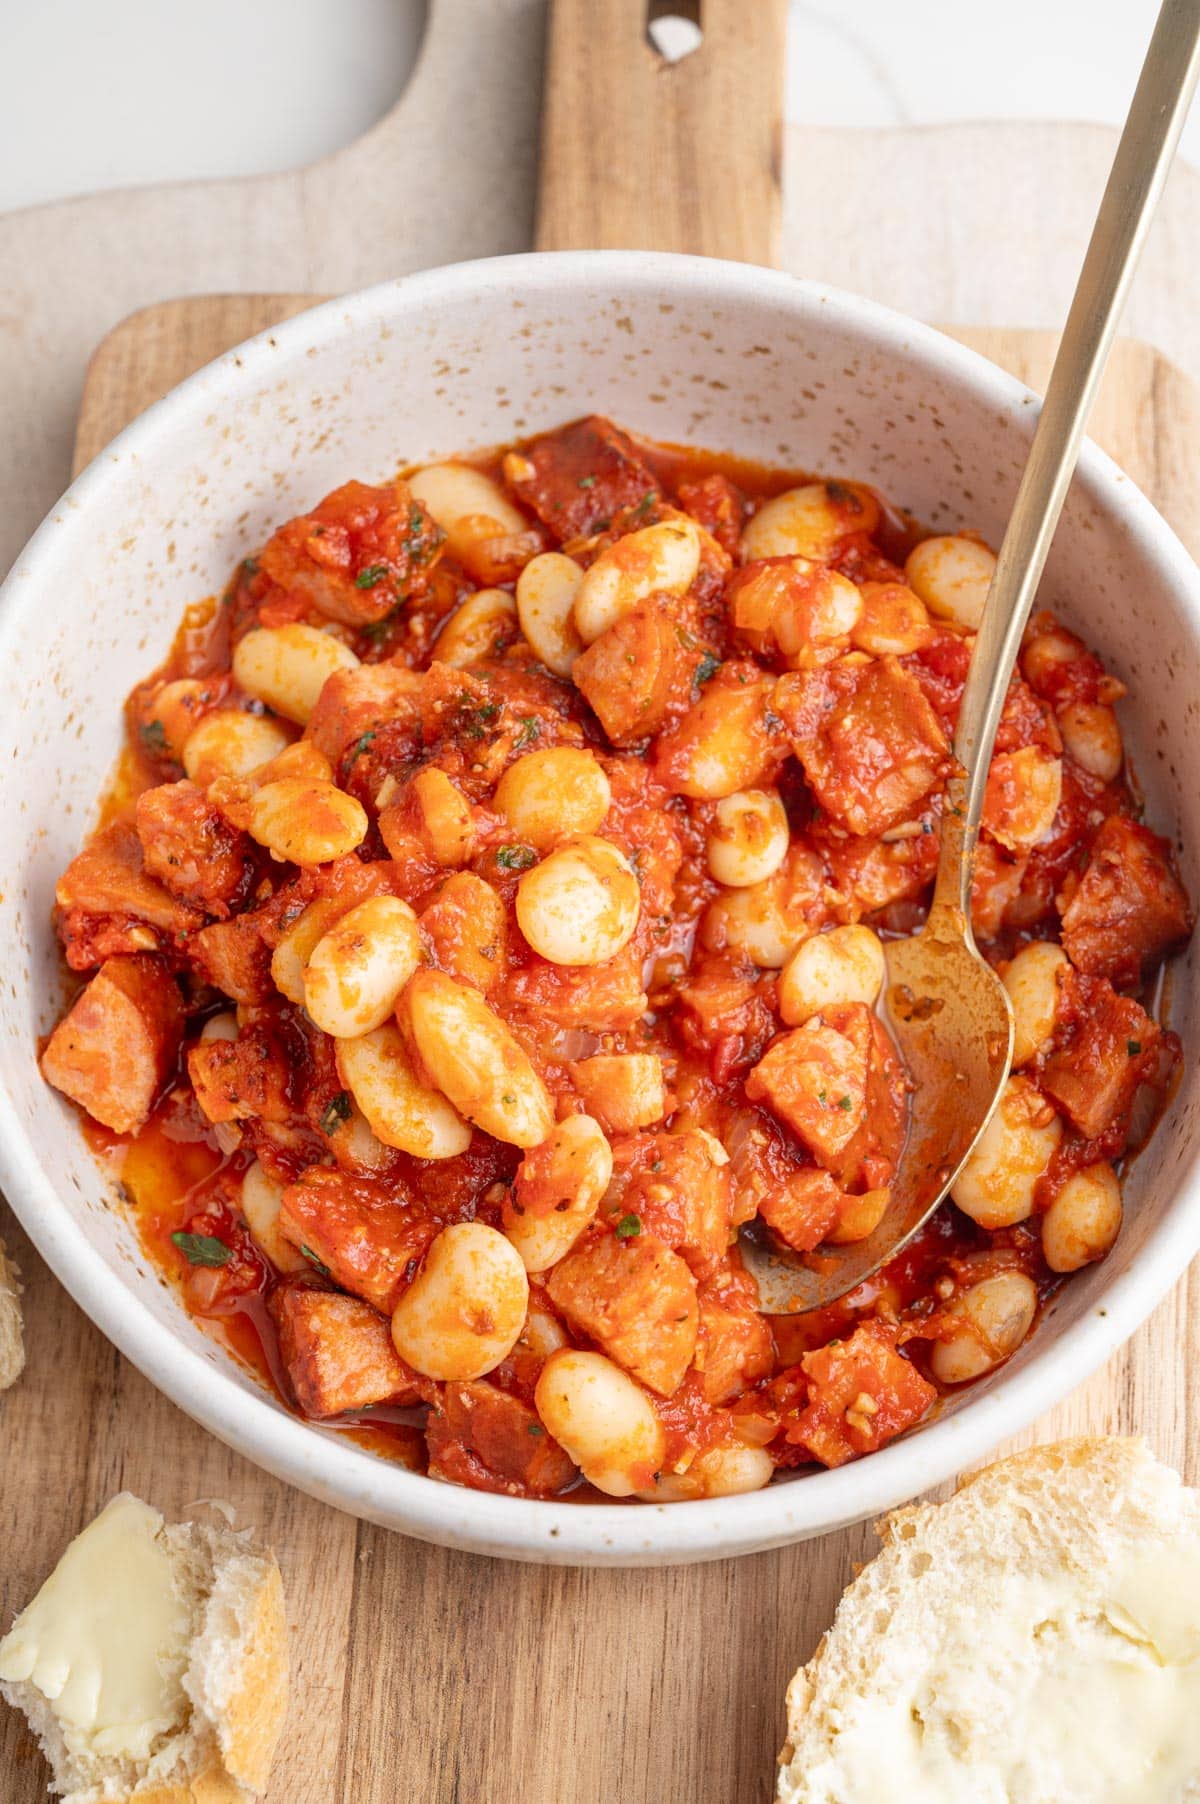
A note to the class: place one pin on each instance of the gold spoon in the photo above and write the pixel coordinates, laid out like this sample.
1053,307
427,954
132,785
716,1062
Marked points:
949,1014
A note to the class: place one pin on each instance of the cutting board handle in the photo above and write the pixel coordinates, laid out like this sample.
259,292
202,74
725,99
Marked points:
641,153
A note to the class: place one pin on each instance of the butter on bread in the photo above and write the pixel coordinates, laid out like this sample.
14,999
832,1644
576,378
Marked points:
152,1663
12,1344
1033,1640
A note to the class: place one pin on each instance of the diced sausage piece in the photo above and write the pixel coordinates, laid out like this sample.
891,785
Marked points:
870,1160
734,1349
815,1080
356,704
467,929
245,1079
719,505
729,739
726,1012
874,873
235,958
604,997
1128,907
1104,1047
637,1300
115,1048
360,1229
358,554
633,672
481,1437
338,1352
189,846
109,904
577,479
677,1185
802,1209
862,1392
871,746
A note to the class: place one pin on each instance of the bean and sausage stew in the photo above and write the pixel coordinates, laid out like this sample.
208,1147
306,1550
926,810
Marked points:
489,919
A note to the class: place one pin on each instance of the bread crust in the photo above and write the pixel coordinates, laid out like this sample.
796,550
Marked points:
250,1725
236,1682
1054,1487
12,1342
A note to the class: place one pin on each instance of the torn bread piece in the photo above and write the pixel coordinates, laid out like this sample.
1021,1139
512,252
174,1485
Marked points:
152,1664
12,1343
1034,1640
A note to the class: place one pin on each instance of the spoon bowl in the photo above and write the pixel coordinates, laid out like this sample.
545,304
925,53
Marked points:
951,1021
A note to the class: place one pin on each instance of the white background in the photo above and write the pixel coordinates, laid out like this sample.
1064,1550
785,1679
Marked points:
111,93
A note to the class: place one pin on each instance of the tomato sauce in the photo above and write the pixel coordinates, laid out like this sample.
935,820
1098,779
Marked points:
761,683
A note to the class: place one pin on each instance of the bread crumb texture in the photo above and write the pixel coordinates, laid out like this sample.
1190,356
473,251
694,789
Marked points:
1034,1640
12,1343
152,1664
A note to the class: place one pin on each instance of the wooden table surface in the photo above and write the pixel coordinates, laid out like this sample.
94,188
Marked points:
429,1677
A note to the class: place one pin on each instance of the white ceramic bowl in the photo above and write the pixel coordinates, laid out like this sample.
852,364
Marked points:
717,354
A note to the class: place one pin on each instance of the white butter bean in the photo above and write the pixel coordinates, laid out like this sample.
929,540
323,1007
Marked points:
657,560
546,591
581,904
464,1311
998,1313
603,1419
553,795
402,1111
557,1191
475,1061
288,666
995,1186
358,969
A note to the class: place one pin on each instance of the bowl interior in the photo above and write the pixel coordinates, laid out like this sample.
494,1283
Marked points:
716,355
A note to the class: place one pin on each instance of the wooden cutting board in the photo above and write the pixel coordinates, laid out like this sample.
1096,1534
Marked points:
429,1677
441,1678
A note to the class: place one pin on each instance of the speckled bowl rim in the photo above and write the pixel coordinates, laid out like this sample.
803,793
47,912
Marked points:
564,1533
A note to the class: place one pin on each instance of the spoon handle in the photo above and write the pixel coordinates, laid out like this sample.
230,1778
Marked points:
1148,141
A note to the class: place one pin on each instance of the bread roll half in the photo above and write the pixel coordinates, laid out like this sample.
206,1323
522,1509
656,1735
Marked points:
152,1664
12,1344
1034,1640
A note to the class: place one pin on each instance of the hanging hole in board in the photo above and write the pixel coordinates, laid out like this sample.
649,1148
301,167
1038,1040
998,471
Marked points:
674,28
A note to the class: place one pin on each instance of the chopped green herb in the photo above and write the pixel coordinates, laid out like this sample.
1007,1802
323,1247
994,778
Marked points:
821,1097
508,1101
371,577
250,566
648,500
706,669
474,717
535,1428
1133,1048
587,482
313,1260
336,1110
531,730
516,858
154,737
629,1227
844,1102
362,745
203,1249
416,519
